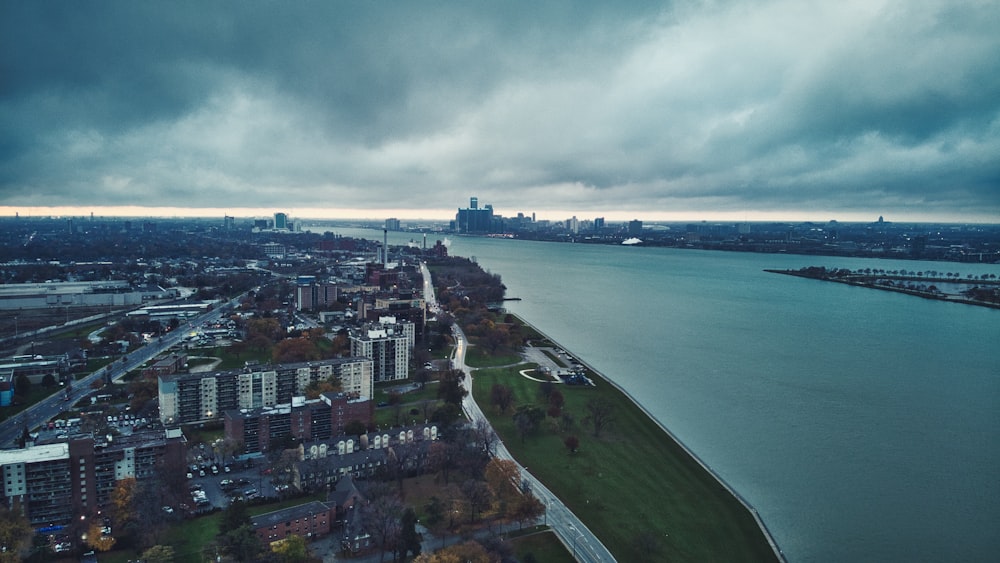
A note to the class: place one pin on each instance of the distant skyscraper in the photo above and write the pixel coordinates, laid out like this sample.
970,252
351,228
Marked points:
635,227
281,221
598,223
473,219
392,224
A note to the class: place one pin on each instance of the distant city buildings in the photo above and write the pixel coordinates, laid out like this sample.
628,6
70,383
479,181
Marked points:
474,220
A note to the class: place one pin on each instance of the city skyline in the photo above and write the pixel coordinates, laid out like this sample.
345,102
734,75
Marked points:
737,111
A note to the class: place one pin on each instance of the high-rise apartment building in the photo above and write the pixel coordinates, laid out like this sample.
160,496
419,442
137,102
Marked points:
56,483
387,344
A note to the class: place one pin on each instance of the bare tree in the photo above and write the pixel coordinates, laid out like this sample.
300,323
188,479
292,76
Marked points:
381,517
501,396
486,437
600,414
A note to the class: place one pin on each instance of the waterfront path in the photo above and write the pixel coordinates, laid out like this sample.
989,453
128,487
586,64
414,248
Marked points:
577,538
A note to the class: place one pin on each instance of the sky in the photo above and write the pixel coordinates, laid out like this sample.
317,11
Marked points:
743,109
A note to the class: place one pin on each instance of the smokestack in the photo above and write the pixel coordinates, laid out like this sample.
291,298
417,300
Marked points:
385,247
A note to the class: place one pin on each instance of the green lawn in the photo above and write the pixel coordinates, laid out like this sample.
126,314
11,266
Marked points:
230,360
631,483
479,358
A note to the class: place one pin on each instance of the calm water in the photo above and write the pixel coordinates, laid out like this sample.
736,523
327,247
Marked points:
863,425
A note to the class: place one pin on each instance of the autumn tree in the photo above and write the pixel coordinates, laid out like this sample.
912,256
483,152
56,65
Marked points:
556,399
527,508
572,444
295,350
96,539
292,549
15,533
468,552
123,512
503,477
318,387
159,554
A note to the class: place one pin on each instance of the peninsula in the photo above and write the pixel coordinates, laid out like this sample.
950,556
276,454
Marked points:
982,290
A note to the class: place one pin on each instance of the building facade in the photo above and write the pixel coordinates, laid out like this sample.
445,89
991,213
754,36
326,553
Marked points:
56,483
318,419
201,397
387,344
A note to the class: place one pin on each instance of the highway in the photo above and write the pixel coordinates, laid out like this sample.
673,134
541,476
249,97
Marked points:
56,403
584,545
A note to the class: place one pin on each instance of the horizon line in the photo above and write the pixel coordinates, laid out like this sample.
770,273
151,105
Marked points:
442,215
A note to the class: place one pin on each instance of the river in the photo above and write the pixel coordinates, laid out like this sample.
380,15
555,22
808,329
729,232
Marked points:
861,424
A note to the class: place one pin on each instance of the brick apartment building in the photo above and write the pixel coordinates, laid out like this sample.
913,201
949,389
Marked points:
55,483
317,419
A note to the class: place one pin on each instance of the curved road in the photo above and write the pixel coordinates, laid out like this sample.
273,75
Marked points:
54,404
585,546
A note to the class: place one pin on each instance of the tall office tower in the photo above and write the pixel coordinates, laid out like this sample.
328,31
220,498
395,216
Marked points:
474,203
635,227
281,220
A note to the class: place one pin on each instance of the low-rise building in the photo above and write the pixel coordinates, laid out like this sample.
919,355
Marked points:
310,521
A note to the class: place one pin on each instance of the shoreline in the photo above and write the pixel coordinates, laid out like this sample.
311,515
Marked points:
746,504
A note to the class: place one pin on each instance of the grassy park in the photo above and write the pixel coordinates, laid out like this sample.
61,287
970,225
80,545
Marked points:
632,485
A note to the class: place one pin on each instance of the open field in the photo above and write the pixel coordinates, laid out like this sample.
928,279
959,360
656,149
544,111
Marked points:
633,485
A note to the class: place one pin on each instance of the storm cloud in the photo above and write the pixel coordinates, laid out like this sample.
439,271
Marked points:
864,107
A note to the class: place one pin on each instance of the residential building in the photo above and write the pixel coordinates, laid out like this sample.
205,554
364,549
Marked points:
387,344
307,420
310,521
57,482
201,397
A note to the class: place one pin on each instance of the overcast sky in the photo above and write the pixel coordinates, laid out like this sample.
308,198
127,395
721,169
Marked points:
743,109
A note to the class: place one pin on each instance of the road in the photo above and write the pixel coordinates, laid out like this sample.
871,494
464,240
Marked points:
56,403
585,546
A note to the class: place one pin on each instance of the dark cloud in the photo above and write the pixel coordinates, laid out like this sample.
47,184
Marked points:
752,106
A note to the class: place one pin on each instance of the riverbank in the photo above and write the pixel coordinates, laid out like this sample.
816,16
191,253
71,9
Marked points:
694,457
636,486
